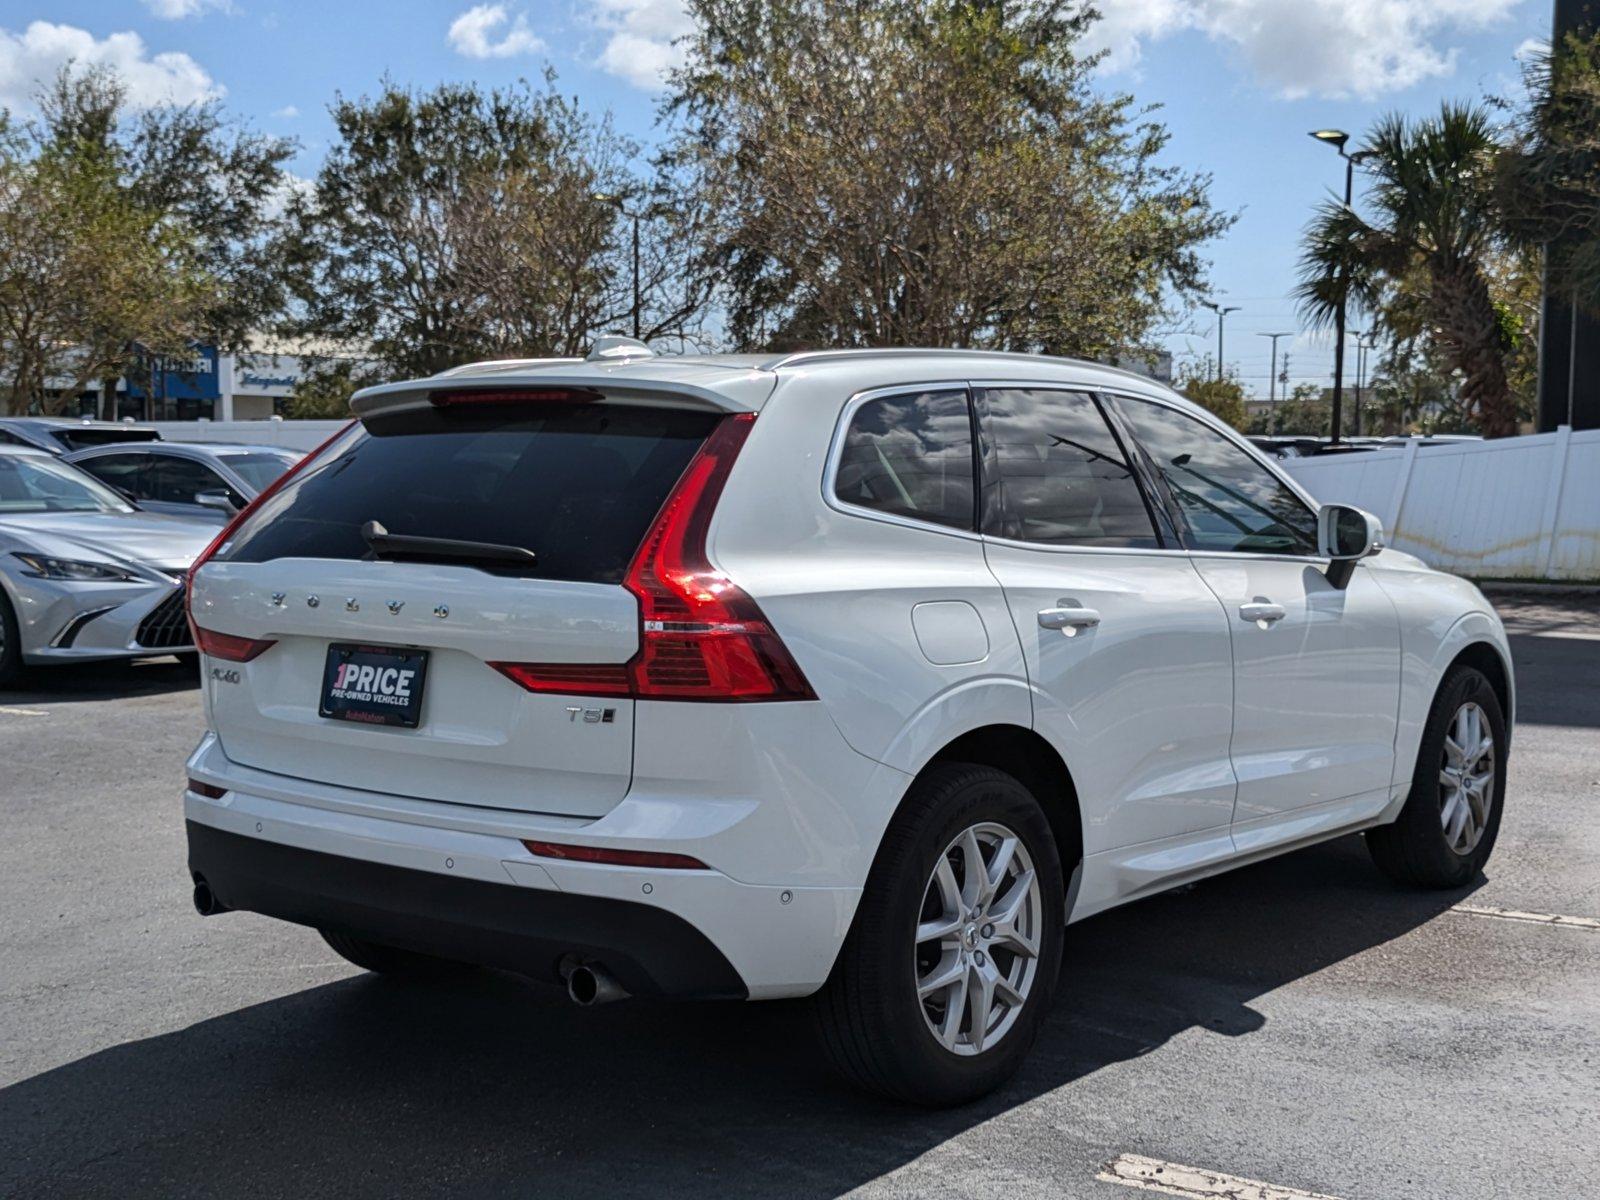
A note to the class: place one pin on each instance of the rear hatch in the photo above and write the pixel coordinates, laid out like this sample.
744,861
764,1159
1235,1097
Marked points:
574,481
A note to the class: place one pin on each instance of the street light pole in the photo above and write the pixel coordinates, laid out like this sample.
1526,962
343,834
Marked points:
1337,138
1361,372
1272,382
1222,314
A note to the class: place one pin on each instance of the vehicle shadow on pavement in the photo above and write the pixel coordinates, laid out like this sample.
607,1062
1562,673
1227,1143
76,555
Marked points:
365,1087
78,683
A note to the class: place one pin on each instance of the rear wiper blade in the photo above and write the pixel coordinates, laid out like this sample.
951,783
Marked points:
428,549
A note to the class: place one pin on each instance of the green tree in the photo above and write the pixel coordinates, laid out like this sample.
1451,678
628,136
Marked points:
1223,397
925,172
457,224
128,234
1433,228
1549,176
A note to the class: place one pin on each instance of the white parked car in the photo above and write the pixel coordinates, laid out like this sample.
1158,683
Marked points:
858,674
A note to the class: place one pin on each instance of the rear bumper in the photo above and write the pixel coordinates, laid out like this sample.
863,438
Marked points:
521,929
456,880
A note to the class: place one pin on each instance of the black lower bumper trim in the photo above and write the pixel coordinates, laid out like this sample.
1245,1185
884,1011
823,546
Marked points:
527,930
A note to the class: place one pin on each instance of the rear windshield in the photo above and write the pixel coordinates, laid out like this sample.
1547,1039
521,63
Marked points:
577,484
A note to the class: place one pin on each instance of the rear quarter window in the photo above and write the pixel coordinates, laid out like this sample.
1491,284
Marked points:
577,484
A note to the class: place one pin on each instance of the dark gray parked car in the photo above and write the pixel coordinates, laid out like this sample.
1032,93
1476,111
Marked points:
211,480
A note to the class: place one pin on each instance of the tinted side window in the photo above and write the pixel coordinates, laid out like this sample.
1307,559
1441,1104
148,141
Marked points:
176,480
1227,500
1061,478
128,473
910,455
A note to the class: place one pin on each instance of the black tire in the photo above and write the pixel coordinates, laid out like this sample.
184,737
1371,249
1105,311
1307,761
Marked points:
390,960
10,644
1415,850
869,1016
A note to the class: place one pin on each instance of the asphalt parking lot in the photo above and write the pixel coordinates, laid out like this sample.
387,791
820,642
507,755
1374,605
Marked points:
1301,1022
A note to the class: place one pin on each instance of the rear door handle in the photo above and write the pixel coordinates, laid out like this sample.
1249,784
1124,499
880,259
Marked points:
1068,618
1262,611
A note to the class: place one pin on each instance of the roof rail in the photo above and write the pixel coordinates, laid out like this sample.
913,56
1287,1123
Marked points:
806,356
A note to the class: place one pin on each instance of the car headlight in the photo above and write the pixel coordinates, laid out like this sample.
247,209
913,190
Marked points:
41,566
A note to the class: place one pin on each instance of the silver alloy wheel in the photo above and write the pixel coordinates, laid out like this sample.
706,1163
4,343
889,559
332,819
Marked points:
977,951
1466,779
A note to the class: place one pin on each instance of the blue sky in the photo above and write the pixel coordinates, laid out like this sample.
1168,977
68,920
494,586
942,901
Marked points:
1240,83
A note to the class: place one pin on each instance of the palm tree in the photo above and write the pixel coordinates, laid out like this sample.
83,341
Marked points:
1432,228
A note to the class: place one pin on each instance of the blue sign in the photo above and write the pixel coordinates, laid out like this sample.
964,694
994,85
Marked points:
175,378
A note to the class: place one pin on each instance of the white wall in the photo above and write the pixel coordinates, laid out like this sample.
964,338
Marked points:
1516,508
297,435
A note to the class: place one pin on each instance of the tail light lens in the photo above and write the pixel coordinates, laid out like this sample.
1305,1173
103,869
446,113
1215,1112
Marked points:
208,640
225,645
701,637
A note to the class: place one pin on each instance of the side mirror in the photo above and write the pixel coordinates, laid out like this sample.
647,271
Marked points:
216,500
1345,536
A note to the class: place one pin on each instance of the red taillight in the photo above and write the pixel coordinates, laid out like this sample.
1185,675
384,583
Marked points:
201,636
700,636
615,858
466,397
209,790
225,645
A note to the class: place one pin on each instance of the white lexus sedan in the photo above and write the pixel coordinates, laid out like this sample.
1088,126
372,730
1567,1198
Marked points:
84,575
850,675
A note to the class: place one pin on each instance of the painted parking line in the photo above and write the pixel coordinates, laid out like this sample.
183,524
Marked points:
1174,1179
1528,918
7,710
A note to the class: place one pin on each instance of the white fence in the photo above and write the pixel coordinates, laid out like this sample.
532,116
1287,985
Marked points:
1516,508
297,435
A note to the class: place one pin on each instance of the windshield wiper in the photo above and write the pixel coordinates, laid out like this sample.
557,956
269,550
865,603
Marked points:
400,547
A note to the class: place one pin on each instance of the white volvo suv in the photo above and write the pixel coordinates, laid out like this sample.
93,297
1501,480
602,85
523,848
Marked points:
853,674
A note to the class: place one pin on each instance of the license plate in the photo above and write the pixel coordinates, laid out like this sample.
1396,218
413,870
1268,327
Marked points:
375,685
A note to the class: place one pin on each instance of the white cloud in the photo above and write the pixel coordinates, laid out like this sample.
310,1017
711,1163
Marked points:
473,33
288,112
1300,48
176,10
640,36
289,187
33,57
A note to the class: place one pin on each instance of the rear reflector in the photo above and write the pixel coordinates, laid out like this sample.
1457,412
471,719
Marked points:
615,858
209,790
227,646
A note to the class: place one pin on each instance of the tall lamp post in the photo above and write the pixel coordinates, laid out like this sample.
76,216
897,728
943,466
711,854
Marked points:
617,202
1222,315
1272,382
1361,355
1338,139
